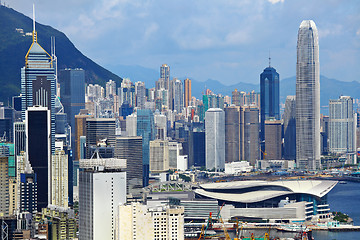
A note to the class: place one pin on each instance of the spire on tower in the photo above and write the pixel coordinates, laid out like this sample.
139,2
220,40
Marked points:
269,59
34,31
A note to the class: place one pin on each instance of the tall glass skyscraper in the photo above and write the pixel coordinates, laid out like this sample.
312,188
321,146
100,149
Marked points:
269,100
145,129
215,139
38,82
308,97
72,93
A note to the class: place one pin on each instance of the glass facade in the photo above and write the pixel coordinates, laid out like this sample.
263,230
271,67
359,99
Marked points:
145,129
269,100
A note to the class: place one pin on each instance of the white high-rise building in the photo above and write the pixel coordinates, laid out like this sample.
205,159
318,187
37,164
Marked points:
342,125
308,97
137,221
131,125
102,187
110,88
140,91
59,179
215,138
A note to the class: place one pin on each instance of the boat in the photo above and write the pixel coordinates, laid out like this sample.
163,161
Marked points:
292,228
342,182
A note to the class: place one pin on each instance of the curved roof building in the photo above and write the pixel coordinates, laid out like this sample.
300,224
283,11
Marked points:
269,194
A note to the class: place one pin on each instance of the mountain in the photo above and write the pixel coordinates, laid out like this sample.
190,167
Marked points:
14,45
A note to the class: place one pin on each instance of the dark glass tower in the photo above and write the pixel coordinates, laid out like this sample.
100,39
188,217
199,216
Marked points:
269,100
72,92
38,150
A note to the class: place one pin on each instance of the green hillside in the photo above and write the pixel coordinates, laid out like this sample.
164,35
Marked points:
14,46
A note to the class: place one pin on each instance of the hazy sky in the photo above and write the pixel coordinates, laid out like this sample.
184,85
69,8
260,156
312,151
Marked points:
224,40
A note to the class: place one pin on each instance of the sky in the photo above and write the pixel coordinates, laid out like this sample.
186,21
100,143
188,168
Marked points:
225,40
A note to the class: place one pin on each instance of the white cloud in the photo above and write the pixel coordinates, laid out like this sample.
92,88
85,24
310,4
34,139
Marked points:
275,1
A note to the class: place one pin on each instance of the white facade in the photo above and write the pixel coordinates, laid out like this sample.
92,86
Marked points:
175,150
99,195
238,167
137,221
110,88
134,222
131,125
160,125
342,125
59,179
182,162
308,97
215,138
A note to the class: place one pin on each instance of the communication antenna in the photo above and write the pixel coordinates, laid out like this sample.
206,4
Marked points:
269,59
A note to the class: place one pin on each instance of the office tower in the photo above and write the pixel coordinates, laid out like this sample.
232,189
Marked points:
59,179
232,134
4,186
39,151
249,140
165,75
38,89
102,186
145,129
342,125
160,125
80,130
28,192
16,104
7,117
175,150
197,148
273,140
19,137
215,139
308,97
187,92
7,150
131,125
99,129
140,91
126,92
72,93
289,124
325,129
130,148
269,99
159,156
110,89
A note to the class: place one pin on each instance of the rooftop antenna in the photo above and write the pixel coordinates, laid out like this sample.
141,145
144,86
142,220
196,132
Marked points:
269,59
34,31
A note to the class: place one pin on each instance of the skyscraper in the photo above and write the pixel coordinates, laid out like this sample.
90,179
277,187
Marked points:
59,179
289,123
187,92
215,138
145,128
99,129
130,148
72,93
269,99
38,83
38,150
232,133
308,97
342,125
165,75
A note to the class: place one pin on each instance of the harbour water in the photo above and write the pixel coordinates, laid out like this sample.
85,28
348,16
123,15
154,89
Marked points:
344,198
